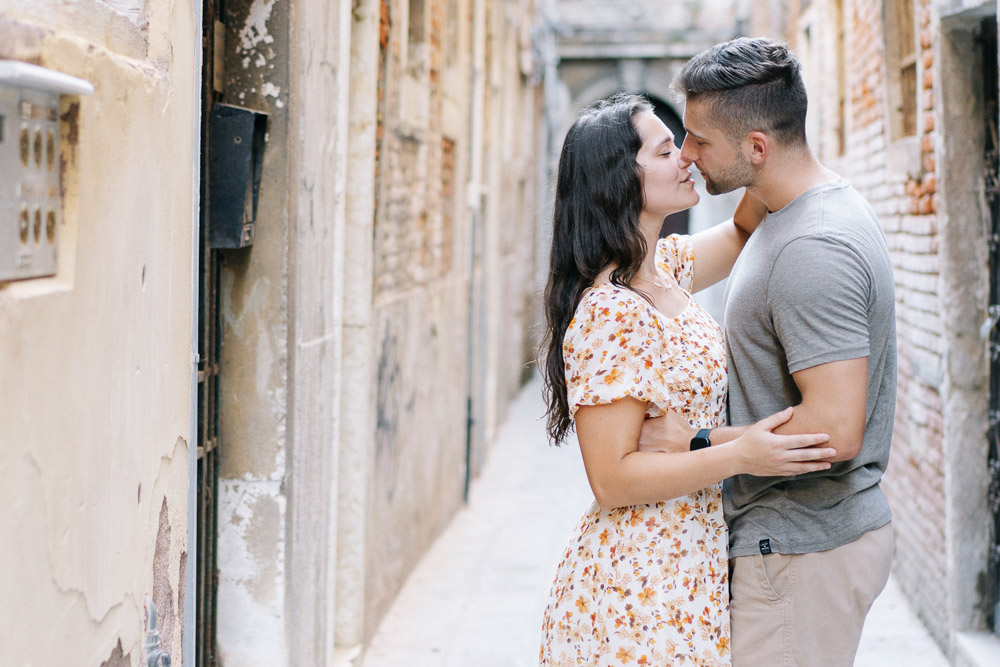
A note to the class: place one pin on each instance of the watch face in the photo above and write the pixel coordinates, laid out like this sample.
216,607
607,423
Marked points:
701,441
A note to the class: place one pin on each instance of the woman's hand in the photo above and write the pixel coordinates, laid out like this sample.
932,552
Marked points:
749,212
767,454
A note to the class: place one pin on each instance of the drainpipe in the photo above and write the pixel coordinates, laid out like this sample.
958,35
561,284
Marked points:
152,654
474,204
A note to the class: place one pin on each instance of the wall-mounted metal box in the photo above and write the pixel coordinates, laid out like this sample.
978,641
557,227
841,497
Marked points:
30,195
235,164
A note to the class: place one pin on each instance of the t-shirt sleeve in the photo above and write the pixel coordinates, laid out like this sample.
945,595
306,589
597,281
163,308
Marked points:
611,350
675,255
818,296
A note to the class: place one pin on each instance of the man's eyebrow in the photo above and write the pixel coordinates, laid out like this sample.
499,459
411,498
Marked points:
693,133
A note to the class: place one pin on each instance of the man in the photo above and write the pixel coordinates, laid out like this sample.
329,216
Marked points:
809,318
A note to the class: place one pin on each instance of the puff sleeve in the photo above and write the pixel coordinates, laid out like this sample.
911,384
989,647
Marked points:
612,349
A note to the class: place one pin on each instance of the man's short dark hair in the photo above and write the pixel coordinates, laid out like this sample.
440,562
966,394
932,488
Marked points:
750,84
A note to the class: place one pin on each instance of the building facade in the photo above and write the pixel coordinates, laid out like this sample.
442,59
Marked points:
903,103
263,433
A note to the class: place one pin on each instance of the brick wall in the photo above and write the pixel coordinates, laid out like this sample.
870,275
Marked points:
904,197
915,481
413,245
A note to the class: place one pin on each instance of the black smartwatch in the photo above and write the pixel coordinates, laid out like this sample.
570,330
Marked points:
700,440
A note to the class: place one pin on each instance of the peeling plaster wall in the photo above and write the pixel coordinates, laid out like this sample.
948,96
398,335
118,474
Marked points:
282,303
419,317
96,362
254,384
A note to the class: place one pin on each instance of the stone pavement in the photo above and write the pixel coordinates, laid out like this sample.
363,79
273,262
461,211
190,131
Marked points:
477,596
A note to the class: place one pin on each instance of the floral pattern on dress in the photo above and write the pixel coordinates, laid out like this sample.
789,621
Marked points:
645,585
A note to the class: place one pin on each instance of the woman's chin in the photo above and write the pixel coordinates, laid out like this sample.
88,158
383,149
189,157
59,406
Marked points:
689,201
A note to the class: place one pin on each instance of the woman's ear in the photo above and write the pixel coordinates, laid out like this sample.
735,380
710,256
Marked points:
757,146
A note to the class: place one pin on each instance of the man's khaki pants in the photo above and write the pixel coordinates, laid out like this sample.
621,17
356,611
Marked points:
806,610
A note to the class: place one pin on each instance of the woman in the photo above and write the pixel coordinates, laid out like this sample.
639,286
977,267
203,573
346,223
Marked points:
644,580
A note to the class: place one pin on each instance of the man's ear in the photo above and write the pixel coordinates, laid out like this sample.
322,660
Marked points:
757,147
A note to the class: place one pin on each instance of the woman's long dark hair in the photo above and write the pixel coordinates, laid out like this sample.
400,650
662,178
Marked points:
595,224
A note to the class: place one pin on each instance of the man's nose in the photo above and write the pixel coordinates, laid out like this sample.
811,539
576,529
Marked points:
687,155
685,160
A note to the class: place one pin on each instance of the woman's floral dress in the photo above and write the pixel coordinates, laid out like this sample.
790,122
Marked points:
645,585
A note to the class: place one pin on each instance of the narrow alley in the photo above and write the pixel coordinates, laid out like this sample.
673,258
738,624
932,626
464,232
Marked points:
477,596
269,285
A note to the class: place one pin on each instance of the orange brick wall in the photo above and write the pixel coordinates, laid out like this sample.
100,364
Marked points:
915,482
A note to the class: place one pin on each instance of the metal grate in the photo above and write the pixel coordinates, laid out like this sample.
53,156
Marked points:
988,44
209,345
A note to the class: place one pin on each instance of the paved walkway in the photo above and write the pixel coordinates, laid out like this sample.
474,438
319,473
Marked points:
476,598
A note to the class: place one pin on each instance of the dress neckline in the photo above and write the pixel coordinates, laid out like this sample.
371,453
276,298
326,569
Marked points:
650,306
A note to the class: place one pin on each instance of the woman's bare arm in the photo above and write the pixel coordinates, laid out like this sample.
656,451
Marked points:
619,475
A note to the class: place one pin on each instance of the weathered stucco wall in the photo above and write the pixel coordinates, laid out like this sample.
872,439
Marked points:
282,303
96,362
420,302
387,290
254,424
453,251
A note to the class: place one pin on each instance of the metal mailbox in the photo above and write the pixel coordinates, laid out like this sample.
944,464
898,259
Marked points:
235,162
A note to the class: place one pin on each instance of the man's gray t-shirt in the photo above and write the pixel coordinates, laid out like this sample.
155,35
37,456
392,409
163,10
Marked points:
813,285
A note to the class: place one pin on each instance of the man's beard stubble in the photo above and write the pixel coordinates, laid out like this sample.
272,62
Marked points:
739,174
